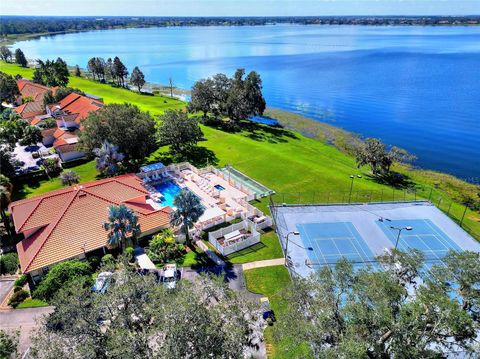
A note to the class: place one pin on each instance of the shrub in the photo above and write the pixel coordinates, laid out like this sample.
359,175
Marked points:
9,263
107,258
21,281
108,262
94,262
60,275
17,288
129,253
18,297
163,248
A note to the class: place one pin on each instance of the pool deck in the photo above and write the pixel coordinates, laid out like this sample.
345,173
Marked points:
221,205
365,219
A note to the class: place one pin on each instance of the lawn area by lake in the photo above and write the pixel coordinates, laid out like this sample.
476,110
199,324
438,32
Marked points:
270,282
109,94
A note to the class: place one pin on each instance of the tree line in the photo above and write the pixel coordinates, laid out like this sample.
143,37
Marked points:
114,71
34,25
236,98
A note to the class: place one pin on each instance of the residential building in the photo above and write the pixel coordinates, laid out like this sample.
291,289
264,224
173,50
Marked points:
67,223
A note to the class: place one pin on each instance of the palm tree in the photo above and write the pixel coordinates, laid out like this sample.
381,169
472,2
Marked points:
122,224
107,158
69,177
189,210
6,189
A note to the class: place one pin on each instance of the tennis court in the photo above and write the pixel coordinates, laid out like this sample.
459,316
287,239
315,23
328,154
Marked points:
424,236
361,232
332,241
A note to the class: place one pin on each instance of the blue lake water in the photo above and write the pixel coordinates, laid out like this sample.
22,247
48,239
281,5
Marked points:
414,87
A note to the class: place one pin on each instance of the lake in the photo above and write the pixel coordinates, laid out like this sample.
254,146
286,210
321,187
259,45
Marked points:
414,87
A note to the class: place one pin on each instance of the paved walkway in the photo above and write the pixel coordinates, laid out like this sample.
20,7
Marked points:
265,263
24,320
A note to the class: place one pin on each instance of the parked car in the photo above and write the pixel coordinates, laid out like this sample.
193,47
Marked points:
170,276
102,282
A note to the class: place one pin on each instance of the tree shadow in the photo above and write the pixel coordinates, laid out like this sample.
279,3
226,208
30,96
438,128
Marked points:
268,133
393,179
253,130
226,271
198,156
252,249
201,259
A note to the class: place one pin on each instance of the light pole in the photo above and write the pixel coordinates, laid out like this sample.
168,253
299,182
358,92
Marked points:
352,177
400,229
295,233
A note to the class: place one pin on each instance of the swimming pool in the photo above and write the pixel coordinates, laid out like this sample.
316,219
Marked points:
169,190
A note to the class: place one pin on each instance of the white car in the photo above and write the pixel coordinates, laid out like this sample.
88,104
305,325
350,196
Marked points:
170,276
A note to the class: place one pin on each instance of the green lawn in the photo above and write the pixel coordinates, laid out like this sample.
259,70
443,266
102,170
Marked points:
270,281
154,104
269,248
32,303
86,171
194,258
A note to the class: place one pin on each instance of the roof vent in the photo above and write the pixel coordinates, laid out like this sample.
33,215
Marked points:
81,195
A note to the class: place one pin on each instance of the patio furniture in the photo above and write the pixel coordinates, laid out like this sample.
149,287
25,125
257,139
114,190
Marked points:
259,219
231,235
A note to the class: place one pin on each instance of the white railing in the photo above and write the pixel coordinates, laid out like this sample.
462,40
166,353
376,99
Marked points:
225,250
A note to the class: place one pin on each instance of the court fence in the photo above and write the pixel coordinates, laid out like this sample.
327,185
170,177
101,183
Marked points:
459,213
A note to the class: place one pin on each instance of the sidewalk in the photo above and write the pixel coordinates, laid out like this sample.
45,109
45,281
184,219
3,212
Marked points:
264,263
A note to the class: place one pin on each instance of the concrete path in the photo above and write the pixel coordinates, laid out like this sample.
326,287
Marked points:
216,259
6,288
265,263
24,320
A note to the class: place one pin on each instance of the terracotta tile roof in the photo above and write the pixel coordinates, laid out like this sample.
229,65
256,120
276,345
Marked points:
30,109
69,221
48,132
32,89
65,139
79,105
65,148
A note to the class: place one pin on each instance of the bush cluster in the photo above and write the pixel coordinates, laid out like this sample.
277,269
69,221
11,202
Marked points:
8,263
18,297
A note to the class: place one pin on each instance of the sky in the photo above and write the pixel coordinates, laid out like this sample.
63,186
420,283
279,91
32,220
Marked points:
238,7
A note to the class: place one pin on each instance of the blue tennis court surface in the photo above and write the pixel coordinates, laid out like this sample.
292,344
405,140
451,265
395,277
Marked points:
425,236
361,232
332,241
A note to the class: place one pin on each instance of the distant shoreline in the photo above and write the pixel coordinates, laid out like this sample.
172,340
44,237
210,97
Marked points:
35,25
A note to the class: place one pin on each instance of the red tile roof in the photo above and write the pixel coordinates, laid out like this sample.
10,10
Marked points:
65,147
63,224
30,109
32,89
79,105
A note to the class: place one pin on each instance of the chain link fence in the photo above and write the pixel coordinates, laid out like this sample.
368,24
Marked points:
456,211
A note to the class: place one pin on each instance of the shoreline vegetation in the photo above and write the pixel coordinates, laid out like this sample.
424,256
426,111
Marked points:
317,154
20,28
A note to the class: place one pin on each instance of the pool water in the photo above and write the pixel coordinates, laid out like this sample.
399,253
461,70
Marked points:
169,190
219,187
